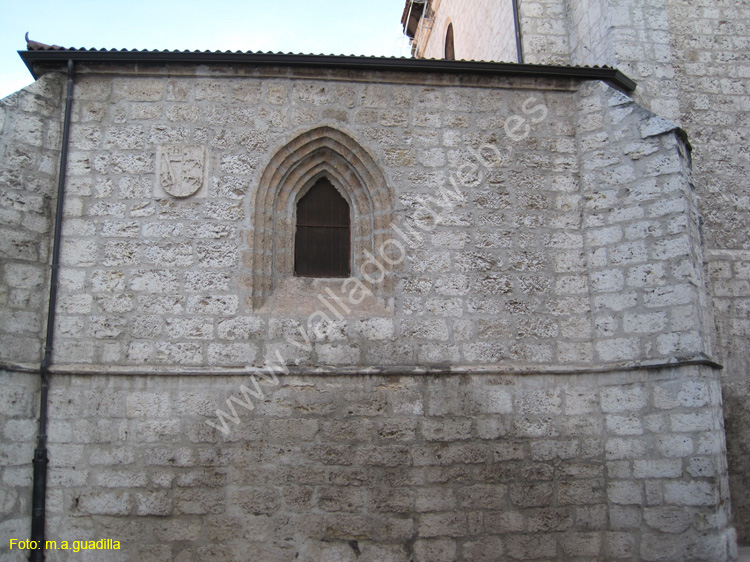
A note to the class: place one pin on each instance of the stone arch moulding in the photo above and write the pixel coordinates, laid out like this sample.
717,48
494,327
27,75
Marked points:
293,169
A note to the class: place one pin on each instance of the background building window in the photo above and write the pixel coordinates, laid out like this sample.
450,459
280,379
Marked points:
450,53
322,244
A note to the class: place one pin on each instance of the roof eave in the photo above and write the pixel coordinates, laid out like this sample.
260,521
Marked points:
607,74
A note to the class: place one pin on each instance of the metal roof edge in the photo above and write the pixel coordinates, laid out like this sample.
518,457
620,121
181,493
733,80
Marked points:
604,73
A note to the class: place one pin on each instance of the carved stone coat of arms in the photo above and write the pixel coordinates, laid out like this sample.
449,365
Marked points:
181,170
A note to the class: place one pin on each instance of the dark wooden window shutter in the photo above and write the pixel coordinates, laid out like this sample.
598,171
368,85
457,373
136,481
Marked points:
322,244
450,50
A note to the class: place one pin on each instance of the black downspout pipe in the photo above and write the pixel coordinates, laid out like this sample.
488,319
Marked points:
517,29
39,494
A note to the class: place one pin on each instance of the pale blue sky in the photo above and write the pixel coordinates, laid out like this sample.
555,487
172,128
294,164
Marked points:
299,26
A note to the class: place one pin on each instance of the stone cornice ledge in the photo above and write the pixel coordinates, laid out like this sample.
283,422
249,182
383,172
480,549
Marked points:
34,58
395,370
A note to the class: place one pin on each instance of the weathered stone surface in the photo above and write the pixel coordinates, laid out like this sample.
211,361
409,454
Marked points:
449,486
491,271
575,247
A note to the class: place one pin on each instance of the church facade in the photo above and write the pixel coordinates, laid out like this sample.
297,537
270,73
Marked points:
506,343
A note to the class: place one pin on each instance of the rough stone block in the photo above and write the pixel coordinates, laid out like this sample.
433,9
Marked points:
664,468
433,525
435,550
104,503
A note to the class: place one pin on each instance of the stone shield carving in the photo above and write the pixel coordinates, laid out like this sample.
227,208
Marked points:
181,169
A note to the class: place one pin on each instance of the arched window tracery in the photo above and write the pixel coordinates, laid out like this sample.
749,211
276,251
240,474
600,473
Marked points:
293,170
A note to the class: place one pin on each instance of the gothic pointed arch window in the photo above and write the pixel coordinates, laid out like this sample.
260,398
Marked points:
320,168
450,51
322,243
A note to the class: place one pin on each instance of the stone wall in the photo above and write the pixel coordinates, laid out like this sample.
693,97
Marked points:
30,131
632,36
710,43
641,226
545,32
19,410
615,466
530,376
640,33
710,46
690,60
729,272
567,247
590,25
